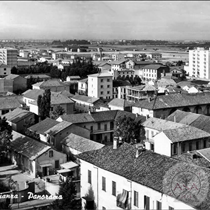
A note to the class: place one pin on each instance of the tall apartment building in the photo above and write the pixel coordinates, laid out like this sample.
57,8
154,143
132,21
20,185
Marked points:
100,85
8,56
8,59
199,63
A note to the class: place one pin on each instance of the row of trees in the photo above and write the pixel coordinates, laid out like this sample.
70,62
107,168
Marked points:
132,80
77,68
39,68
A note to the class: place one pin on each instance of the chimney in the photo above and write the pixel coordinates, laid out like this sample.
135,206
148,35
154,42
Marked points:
115,142
174,118
139,149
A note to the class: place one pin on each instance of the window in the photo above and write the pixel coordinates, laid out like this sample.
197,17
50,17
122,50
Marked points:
175,148
107,92
146,203
102,80
190,146
108,86
51,153
91,128
170,208
103,183
204,144
102,93
108,80
102,86
136,199
183,147
159,205
105,127
57,164
113,188
89,176
99,126
197,144
103,208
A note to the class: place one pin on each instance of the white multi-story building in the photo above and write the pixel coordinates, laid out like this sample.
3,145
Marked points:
100,85
199,63
8,56
8,59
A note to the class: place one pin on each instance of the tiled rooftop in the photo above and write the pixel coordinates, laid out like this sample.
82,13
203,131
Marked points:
175,100
185,134
58,127
43,126
160,124
81,144
84,98
148,169
27,146
196,120
17,114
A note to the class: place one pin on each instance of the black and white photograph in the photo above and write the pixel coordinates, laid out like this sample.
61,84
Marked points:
104,105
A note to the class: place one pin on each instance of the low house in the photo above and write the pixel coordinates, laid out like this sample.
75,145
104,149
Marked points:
120,88
20,119
130,179
83,86
69,169
199,121
34,156
137,93
9,103
18,83
162,106
58,132
153,126
38,77
84,103
120,104
153,71
57,99
100,124
75,144
41,127
54,85
180,140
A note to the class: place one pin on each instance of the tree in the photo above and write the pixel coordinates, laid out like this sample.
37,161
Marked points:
69,196
44,104
130,129
57,112
5,138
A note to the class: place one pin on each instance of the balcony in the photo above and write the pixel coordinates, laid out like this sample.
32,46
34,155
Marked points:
101,131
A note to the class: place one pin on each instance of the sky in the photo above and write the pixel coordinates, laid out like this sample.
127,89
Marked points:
160,20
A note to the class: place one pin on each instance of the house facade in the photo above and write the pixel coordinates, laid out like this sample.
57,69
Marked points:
187,139
42,160
107,181
162,106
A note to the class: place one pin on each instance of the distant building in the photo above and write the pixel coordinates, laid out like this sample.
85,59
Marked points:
83,86
199,63
153,71
8,56
100,85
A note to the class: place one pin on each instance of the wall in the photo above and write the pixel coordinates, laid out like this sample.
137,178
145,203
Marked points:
46,159
19,83
65,132
162,145
142,111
